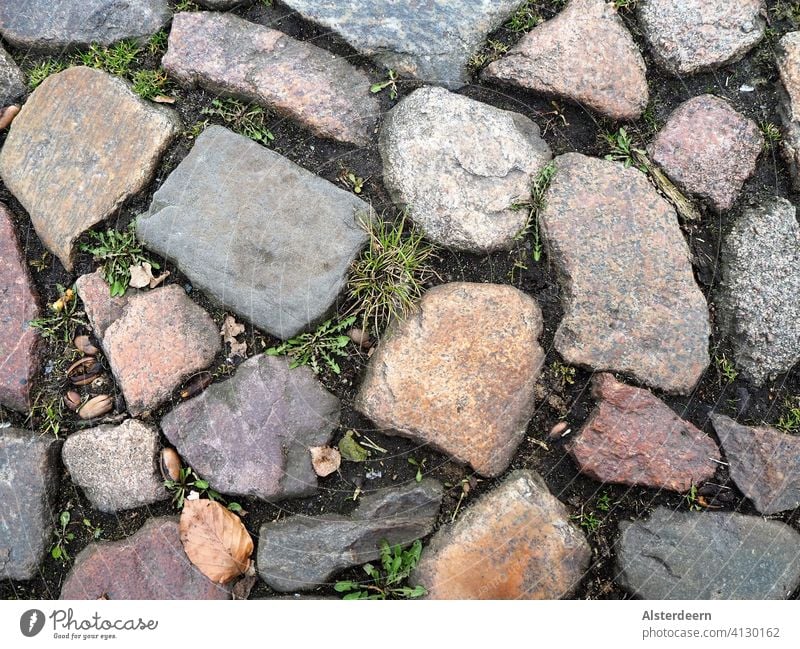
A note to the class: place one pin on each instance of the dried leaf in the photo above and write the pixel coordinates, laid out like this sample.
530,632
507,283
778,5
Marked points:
164,99
215,540
231,329
351,450
325,460
155,281
141,275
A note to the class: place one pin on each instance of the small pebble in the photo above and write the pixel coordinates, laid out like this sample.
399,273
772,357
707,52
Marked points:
558,431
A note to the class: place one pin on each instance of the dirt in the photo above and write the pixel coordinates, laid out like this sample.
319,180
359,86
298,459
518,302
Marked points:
566,128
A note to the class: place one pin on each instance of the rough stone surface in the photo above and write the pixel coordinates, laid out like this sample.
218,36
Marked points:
116,465
431,40
151,564
19,343
695,35
12,83
458,165
586,55
266,238
787,57
516,542
708,149
56,25
764,463
631,303
250,435
228,55
634,438
153,340
220,4
757,301
93,141
301,552
708,555
459,373
28,482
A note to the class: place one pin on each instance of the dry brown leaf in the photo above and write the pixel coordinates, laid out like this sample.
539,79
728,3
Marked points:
141,275
164,99
155,281
215,540
325,460
231,329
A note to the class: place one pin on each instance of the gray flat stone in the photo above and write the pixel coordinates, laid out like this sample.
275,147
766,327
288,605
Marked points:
231,56
302,552
12,83
708,555
28,482
250,435
458,165
259,234
116,465
431,40
757,298
56,25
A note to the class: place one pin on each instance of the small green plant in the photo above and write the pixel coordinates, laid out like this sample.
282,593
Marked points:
317,347
490,51
58,550
564,374
95,531
790,420
46,413
386,582
40,71
603,502
771,133
390,83
691,498
350,180
62,318
627,5
787,10
187,482
117,59
186,5
726,368
525,18
588,521
535,205
158,42
246,119
624,150
117,251
389,276
420,464
149,83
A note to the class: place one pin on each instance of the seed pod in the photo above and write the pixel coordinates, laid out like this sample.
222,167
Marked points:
7,115
84,371
557,431
97,406
199,383
170,464
84,345
72,400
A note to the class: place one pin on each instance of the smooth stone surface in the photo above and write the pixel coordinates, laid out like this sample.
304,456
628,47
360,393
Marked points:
20,344
431,40
231,56
93,141
153,340
515,542
12,83
630,299
458,165
708,555
259,234
694,35
116,465
764,463
28,483
586,55
757,300
58,25
459,373
250,435
708,149
636,439
150,564
787,59
302,552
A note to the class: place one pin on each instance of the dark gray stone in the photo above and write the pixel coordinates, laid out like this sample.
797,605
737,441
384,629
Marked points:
708,555
55,25
28,482
221,4
302,552
261,235
116,465
764,463
12,83
431,40
757,299
250,435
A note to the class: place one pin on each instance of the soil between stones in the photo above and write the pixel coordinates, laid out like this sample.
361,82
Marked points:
565,128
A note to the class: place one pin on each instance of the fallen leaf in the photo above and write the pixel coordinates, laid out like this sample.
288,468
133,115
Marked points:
155,281
215,540
141,275
351,450
231,329
325,460
164,99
